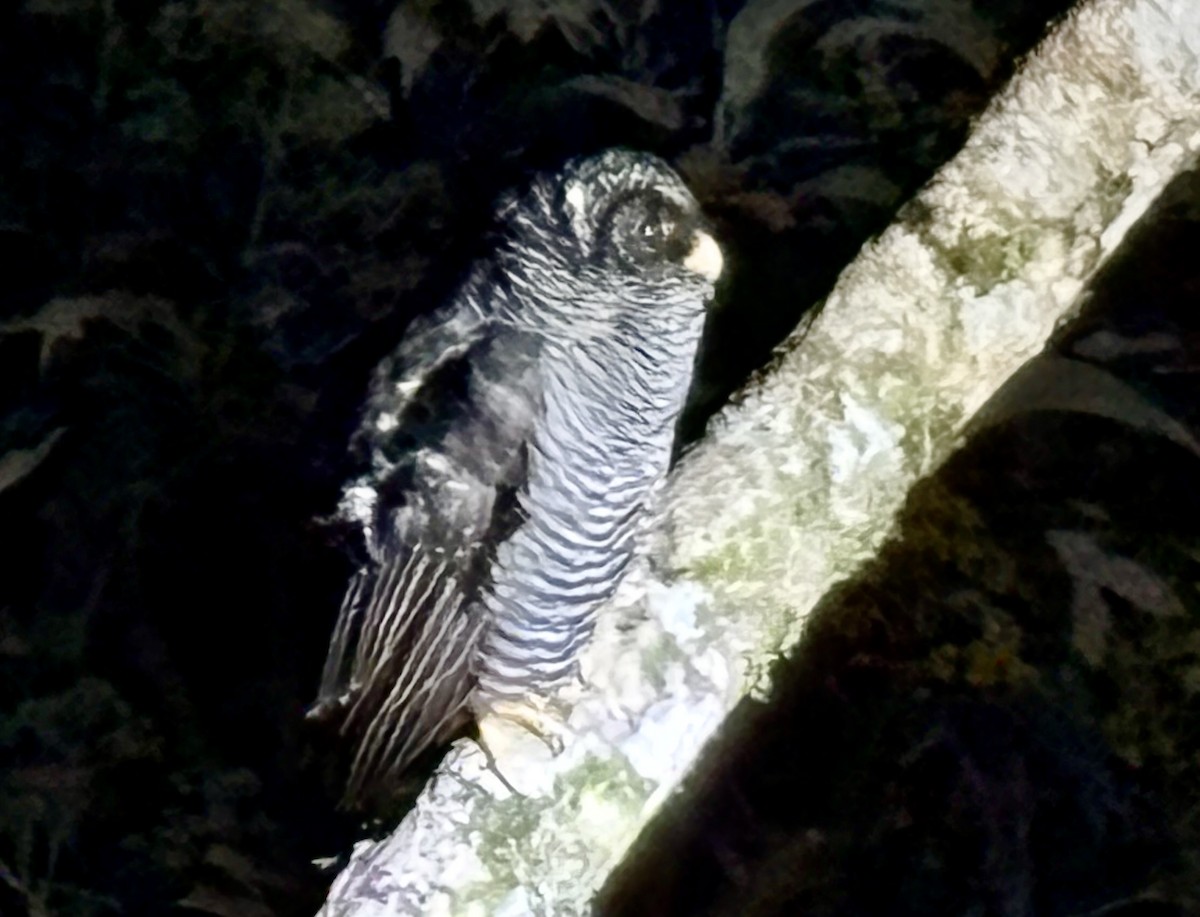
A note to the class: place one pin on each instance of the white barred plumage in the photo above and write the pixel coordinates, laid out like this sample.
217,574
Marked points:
515,441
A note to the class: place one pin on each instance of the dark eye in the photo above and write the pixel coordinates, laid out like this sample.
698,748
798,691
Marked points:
660,228
645,228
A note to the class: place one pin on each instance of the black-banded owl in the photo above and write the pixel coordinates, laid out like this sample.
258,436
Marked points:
515,441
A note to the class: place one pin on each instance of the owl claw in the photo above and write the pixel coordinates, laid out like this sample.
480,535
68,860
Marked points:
519,738
543,719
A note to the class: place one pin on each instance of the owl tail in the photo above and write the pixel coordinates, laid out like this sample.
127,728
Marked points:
397,675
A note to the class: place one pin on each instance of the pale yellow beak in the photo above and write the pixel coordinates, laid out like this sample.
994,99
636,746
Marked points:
705,257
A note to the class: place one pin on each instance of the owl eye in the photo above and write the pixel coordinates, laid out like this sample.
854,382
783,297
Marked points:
661,229
645,228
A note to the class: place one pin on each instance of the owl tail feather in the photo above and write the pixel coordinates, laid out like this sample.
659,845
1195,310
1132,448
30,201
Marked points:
398,669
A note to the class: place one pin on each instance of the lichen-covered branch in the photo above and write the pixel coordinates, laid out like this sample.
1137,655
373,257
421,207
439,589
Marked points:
797,483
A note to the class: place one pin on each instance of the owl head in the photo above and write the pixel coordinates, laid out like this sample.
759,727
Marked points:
631,209
616,233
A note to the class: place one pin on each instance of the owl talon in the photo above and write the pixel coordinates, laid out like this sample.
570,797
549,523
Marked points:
519,739
542,719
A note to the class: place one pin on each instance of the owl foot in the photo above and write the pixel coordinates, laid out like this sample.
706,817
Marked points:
520,739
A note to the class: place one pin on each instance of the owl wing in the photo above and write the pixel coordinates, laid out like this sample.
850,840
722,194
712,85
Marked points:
449,451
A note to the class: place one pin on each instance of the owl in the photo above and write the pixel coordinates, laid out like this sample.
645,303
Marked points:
513,446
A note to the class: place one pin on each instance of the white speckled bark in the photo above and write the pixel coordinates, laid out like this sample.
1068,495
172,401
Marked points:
799,481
